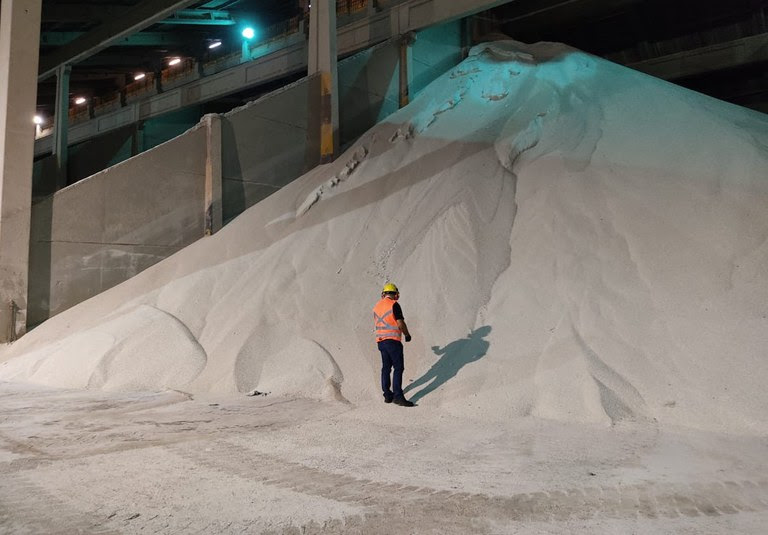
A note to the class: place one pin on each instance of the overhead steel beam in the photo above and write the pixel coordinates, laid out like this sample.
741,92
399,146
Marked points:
215,4
137,39
95,12
201,17
132,21
734,53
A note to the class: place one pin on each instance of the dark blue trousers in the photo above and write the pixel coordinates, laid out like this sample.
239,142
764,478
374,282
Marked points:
392,359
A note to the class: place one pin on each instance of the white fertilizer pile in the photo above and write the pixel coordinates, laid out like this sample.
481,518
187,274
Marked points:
573,240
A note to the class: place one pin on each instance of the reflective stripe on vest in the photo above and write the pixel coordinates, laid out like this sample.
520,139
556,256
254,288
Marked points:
384,322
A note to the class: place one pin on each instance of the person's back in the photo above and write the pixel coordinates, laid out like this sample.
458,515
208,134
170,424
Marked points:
389,326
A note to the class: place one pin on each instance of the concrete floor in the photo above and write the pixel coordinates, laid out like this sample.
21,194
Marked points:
94,462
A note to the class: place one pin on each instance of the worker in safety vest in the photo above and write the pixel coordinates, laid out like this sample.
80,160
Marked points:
390,326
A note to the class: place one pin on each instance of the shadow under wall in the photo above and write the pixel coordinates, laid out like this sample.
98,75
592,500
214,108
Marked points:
43,177
364,100
84,159
94,155
39,271
453,357
232,184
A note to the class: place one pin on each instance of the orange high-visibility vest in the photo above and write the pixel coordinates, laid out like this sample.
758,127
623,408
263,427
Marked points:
384,322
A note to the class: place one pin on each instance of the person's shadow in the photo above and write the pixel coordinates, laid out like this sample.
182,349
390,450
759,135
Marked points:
455,356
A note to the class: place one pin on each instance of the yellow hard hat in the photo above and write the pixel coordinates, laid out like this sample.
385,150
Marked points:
390,288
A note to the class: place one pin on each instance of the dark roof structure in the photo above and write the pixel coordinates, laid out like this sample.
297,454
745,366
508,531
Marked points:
718,48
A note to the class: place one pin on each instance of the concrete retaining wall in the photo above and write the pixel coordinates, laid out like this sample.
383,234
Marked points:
107,228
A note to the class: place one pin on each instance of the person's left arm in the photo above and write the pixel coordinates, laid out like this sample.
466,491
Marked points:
398,312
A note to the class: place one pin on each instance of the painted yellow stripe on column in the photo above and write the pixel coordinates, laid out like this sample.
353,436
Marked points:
326,118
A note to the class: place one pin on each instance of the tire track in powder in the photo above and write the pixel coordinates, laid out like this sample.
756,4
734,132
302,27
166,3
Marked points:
391,507
26,508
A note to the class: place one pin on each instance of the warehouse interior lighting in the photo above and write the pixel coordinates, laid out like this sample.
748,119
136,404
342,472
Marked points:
139,76
174,61
215,44
80,100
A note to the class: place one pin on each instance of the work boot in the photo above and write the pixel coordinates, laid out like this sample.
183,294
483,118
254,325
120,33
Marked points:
388,397
403,402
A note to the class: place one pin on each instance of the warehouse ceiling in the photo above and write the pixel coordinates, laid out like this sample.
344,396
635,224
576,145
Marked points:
151,33
719,48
